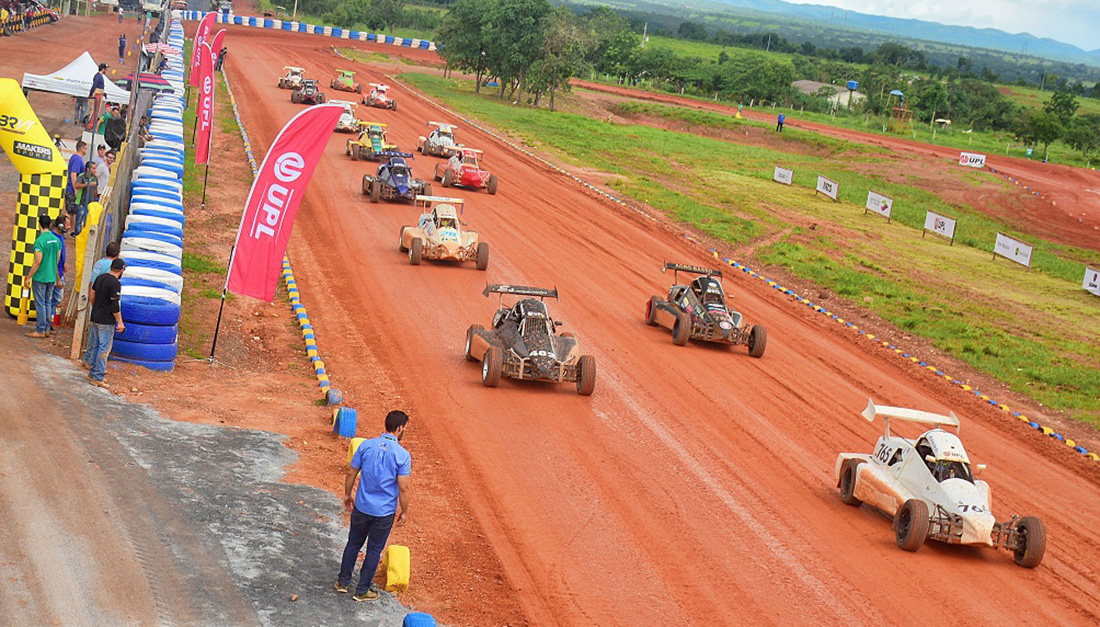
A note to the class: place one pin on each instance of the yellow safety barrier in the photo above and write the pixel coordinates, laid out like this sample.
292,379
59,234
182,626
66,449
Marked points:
397,564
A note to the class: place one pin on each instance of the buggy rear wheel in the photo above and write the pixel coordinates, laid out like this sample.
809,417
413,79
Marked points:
651,311
911,524
375,190
355,152
416,249
366,184
1031,542
681,329
393,105
758,340
586,375
427,189
847,486
482,255
492,186
474,328
491,367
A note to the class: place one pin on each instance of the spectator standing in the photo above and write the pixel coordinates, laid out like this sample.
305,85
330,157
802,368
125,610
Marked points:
102,168
121,14
88,194
221,58
104,265
98,81
42,276
58,229
122,49
383,467
81,110
74,181
779,123
106,321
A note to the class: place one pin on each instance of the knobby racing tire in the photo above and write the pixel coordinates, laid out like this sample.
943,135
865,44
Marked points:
474,328
586,375
681,329
651,311
911,524
482,256
847,484
401,240
355,152
492,186
1031,543
427,189
758,341
375,191
347,148
393,105
416,250
366,184
448,178
492,366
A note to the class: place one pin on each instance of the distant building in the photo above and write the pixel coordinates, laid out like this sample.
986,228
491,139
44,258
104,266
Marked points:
836,94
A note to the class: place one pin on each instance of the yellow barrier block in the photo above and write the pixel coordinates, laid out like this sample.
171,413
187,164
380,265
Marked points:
914,359
984,397
322,377
840,320
932,368
1024,418
1004,407
396,563
870,337
1093,456
1046,430
306,332
1070,443
966,387
317,365
353,445
311,353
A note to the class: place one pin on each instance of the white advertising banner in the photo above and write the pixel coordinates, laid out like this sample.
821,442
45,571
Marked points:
783,175
1012,249
828,187
1092,280
971,159
880,204
940,225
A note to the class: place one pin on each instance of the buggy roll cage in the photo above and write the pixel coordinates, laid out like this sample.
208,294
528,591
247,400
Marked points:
440,125
518,290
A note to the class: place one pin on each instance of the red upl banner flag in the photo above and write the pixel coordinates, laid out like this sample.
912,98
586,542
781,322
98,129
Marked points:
201,34
216,44
274,199
205,110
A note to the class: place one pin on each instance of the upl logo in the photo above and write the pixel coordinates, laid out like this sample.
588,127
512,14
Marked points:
277,195
205,107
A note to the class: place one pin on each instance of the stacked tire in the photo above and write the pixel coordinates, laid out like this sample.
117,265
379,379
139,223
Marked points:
152,241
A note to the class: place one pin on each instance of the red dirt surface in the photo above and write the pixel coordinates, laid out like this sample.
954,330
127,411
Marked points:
1067,212
696,485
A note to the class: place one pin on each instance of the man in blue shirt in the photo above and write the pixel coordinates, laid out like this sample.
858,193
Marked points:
99,80
383,467
74,180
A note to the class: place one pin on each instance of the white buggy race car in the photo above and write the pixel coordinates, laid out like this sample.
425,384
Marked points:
927,486
293,78
347,122
440,142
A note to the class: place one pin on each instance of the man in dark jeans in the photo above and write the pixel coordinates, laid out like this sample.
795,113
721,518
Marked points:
383,467
106,321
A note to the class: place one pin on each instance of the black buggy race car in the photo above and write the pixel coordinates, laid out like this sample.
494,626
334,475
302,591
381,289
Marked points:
524,343
698,311
395,181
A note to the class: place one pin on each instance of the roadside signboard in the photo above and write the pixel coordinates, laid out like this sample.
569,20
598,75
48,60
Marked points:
783,175
828,186
882,205
1012,249
971,159
1092,281
939,225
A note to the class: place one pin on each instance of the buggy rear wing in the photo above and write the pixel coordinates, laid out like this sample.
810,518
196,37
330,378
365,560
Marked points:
295,69
519,290
428,200
682,267
345,72
908,415
381,124
379,85
434,124
394,153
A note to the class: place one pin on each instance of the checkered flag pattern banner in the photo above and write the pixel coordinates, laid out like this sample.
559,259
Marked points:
38,194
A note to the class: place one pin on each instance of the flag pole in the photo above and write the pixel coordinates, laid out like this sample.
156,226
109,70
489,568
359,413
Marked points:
225,290
205,175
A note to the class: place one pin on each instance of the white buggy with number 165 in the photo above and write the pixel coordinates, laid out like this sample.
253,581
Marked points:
927,486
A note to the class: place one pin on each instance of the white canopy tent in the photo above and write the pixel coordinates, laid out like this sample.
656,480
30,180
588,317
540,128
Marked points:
75,79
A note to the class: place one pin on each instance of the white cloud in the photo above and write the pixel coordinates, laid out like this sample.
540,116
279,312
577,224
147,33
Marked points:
1072,21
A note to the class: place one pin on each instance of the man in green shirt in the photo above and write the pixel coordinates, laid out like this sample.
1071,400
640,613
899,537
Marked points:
43,273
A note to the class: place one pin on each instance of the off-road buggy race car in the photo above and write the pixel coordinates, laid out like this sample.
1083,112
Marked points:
463,169
345,81
293,78
379,96
698,311
439,234
371,143
927,486
395,181
524,343
347,122
440,142
307,93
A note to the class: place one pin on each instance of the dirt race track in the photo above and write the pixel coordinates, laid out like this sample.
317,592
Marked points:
696,485
1068,211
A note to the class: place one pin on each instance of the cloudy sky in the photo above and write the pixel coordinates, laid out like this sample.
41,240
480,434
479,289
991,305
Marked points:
1073,21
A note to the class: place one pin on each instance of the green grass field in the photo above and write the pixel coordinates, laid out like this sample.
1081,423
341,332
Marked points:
1033,330
708,51
1030,97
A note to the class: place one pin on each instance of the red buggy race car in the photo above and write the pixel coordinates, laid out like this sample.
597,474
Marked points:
463,169
379,96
